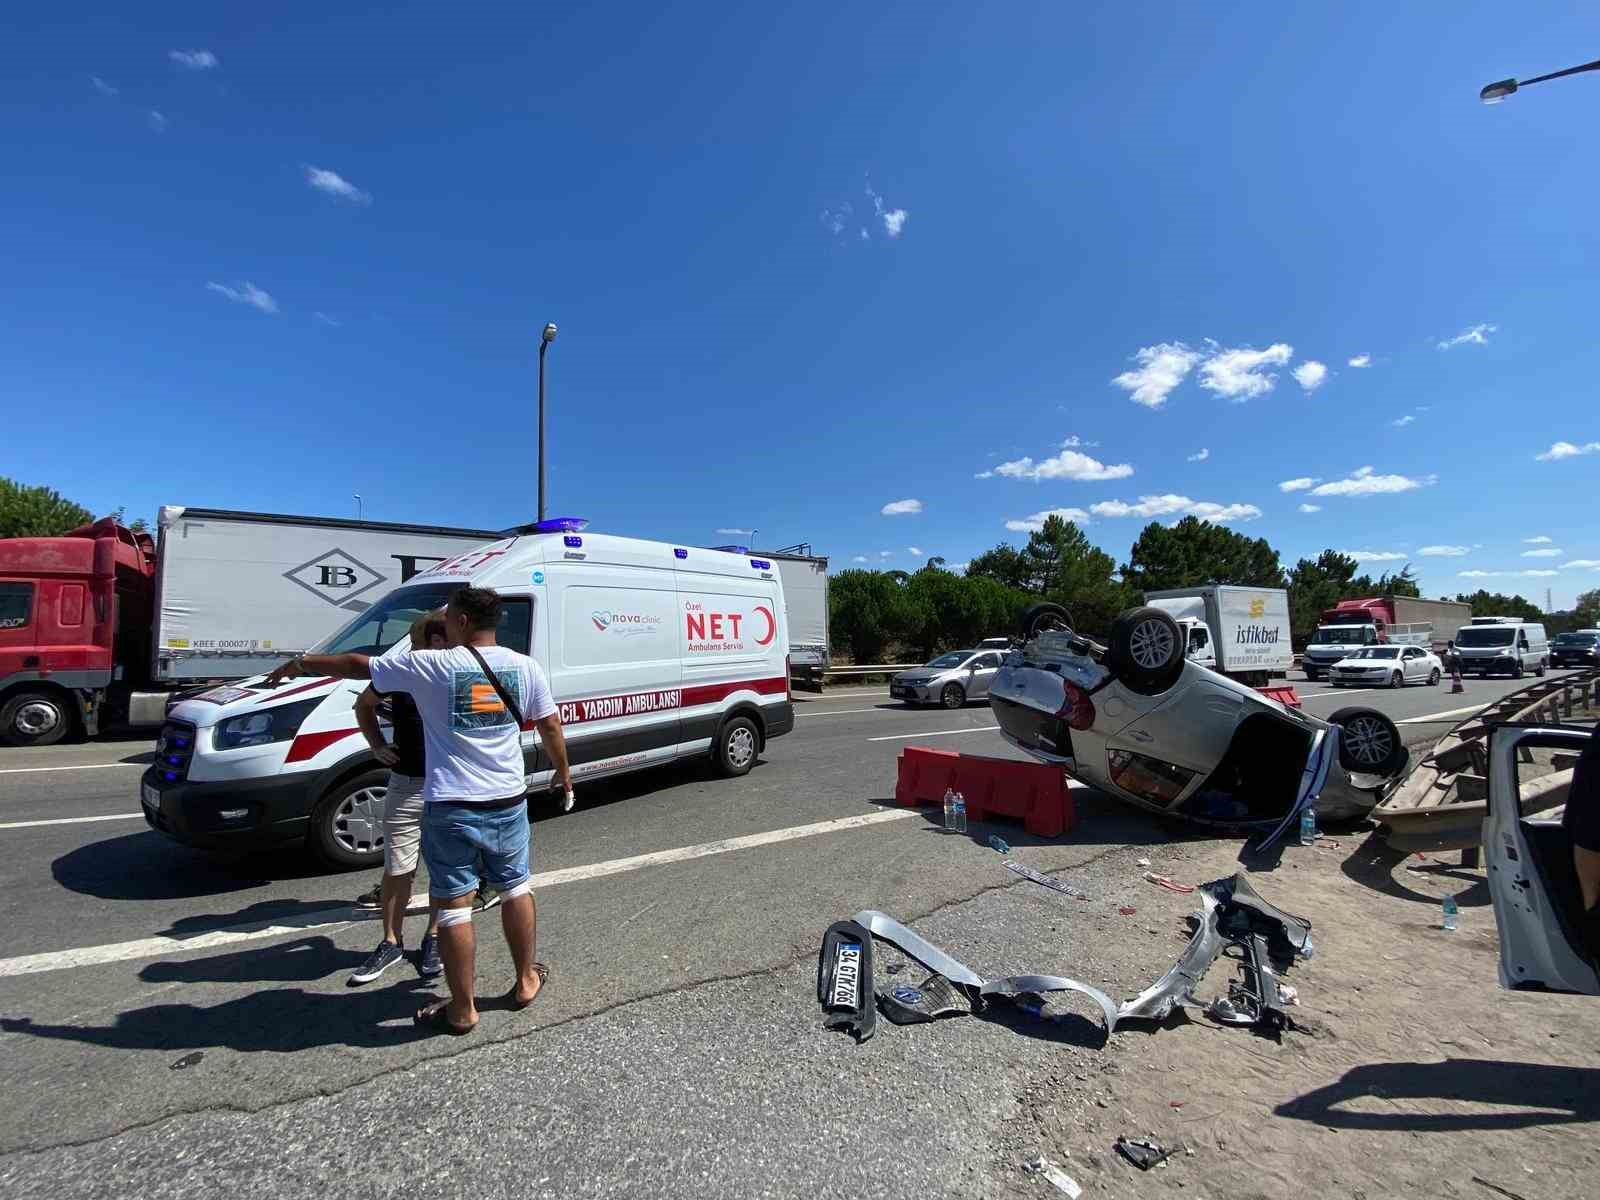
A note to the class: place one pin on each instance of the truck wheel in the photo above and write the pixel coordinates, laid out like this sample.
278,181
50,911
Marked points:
737,746
953,696
1146,650
1044,618
35,719
347,824
1369,742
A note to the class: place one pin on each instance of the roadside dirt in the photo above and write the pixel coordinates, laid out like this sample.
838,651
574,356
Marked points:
1411,1074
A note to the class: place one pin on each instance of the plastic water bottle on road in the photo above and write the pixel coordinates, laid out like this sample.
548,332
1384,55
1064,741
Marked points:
955,811
1308,827
996,842
1450,911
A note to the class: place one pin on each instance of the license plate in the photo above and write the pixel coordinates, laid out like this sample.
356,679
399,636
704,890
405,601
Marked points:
149,797
846,974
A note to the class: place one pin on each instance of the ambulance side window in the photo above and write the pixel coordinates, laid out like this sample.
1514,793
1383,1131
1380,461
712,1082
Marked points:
515,630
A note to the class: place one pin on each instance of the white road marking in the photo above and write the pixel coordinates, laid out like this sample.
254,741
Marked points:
1338,692
84,767
900,737
133,816
841,712
155,947
1439,716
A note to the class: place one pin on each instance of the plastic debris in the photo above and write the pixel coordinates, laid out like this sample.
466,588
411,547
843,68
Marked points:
1064,1183
1127,910
1028,873
1143,862
188,1060
1143,1153
997,842
1161,881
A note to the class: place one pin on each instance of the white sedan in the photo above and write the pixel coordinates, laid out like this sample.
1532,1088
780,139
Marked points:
1387,666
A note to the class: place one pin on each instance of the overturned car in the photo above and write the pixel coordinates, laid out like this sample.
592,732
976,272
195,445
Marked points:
1141,722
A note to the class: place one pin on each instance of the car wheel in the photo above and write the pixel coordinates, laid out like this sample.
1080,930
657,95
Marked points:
1516,669
1044,618
1369,742
347,824
1433,677
1311,676
1397,680
953,696
737,746
1539,670
35,719
1146,651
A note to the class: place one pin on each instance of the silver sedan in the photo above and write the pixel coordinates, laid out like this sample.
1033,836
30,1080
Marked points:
949,680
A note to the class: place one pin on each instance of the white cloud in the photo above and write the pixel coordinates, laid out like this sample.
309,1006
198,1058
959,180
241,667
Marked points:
1363,482
894,219
1444,551
1035,522
1237,374
1374,555
885,553
1530,574
1541,540
1297,485
156,121
1360,360
1538,574
1402,422
1478,335
861,558
1074,442
1069,464
246,293
1476,574
1560,450
959,568
333,184
1311,375
1169,505
101,86
730,532
325,319
1310,508
1162,367
1200,455
1581,564
901,508
1546,552
917,550
194,60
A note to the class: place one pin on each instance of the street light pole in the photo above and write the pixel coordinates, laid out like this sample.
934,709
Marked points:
1493,93
358,505
548,336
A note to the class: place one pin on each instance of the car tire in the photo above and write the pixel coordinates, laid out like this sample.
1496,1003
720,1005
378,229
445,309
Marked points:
1397,680
1311,676
737,747
1433,677
1539,670
1043,618
347,824
953,695
1146,651
1516,669
35,718
1369,742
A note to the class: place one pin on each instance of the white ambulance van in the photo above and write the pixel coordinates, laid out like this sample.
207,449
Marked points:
654,652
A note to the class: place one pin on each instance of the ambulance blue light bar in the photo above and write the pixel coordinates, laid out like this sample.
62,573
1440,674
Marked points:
761,564
679,553
733,549
559,525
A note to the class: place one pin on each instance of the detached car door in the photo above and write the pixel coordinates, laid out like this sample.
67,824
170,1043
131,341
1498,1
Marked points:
1538,906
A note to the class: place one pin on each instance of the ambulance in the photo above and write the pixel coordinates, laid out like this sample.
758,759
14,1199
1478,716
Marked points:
655,652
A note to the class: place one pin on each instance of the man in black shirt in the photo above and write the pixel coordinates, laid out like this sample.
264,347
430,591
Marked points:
402,816
1582,822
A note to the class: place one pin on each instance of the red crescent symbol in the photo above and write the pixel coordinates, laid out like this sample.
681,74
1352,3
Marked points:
772,626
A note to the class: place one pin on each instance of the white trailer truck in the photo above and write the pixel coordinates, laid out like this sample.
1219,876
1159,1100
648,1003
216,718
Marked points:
805,596
1243,632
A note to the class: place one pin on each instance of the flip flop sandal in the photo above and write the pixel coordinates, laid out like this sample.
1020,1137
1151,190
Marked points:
515,1005
437,1020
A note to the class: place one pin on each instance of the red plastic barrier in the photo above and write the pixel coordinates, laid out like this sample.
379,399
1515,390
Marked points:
1034,793
1283,693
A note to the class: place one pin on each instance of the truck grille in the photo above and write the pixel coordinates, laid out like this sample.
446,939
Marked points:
174,749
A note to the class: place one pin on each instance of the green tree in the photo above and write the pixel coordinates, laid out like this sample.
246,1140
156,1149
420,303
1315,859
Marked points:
37,511
863,609
1587,608
1195,552
1059,563
1498,604
1004,564
1316,585
1403,583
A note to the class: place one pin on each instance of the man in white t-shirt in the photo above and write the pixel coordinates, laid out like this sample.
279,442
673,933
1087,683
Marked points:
475,814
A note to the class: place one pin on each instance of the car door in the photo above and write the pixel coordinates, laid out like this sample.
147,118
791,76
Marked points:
1415,670
1537,903
983,669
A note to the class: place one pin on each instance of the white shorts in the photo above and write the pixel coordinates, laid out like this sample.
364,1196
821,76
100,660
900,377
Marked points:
402,824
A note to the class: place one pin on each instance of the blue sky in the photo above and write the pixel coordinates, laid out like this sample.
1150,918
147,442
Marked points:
811,262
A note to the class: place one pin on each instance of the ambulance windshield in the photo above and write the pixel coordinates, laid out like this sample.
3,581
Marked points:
390,619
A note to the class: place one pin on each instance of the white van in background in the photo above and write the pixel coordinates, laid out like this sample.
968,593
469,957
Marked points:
1503,645
654,652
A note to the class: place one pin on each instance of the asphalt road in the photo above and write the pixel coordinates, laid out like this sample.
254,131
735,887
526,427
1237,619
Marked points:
679,1039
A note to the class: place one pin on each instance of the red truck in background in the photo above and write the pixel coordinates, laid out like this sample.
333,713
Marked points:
73,610
1394,617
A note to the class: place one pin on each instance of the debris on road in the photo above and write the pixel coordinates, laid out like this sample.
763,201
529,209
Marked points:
1127,910
1143,1153
844,980
1496,1188
1162,881
187,1061
1028,873
996,842
1049,1170
912,1004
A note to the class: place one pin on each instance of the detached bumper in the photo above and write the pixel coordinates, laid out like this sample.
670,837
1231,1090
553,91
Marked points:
237,816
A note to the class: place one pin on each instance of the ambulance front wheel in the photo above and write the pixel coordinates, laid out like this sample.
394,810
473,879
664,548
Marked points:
737,746
347,824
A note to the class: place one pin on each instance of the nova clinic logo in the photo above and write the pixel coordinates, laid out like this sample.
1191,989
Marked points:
602,620
625,624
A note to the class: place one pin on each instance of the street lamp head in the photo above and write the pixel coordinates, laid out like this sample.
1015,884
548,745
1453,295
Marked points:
549,334
1493,93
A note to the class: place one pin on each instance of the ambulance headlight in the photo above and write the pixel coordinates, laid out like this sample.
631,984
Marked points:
262,728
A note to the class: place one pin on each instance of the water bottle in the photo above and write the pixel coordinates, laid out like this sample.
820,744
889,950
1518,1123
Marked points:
996,842
958,812
1451,911
1308,827
949,810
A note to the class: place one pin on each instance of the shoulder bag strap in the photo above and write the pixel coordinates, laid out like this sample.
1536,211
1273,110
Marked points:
505,697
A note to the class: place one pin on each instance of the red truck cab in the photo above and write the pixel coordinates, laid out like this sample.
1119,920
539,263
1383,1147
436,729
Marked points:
75,615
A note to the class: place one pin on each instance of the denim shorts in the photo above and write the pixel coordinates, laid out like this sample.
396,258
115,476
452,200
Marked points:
465,846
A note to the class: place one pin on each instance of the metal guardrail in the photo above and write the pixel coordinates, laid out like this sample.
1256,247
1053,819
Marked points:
882,669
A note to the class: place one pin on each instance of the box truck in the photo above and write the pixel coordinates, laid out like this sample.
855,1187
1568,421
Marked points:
1243,632
100,627
1406,620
